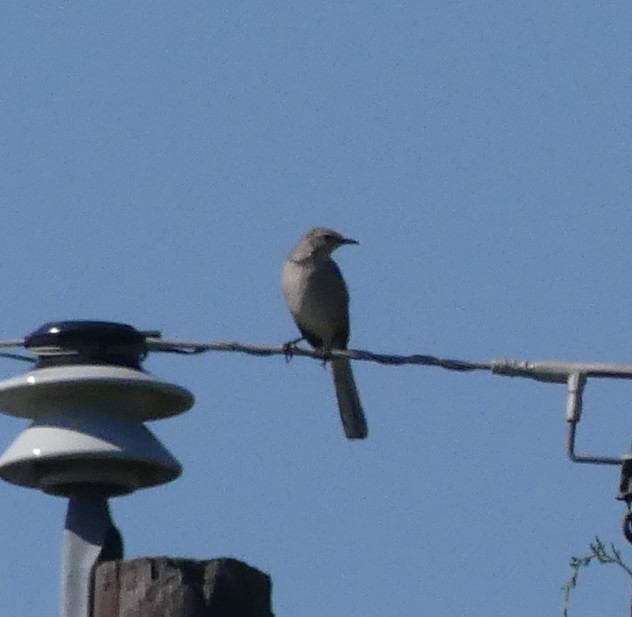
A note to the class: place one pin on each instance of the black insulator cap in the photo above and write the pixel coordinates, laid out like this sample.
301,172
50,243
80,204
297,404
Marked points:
62,343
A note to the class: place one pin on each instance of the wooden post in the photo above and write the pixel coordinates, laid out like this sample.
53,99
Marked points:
165,587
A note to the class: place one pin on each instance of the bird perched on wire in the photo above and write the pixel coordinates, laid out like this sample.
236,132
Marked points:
317,297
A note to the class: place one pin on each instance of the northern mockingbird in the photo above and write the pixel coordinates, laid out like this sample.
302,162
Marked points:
318,300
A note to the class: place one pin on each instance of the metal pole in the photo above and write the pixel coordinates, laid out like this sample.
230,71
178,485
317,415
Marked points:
89,537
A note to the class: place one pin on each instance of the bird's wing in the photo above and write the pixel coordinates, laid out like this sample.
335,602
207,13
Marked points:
336,303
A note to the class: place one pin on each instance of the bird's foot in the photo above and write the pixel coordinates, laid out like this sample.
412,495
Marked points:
289,347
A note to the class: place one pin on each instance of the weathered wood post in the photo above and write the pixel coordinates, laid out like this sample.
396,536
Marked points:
166,587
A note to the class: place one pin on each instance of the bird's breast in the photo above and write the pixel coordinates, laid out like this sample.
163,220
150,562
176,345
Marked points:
318,300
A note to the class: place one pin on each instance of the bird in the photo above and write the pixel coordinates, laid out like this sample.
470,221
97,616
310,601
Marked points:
317,298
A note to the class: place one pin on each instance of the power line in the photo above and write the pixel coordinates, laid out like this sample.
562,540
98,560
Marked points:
18,342
547,371
187,347
16,356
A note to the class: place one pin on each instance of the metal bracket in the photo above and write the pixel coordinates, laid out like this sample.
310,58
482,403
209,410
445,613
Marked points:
576,383
574,405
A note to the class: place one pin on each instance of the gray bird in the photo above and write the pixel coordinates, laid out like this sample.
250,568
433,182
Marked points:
317,297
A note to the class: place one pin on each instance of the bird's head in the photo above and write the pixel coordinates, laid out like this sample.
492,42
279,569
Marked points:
321,241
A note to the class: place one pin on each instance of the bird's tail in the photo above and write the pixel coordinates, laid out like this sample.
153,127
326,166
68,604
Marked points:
351,413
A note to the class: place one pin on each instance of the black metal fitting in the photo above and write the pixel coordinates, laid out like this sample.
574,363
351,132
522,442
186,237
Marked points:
625,494
64,343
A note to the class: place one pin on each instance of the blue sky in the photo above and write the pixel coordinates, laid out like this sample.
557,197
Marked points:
158,162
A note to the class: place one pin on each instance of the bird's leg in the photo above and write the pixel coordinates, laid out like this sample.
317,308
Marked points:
324,353
288,348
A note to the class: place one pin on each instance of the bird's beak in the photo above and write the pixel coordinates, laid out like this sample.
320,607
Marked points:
349,241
